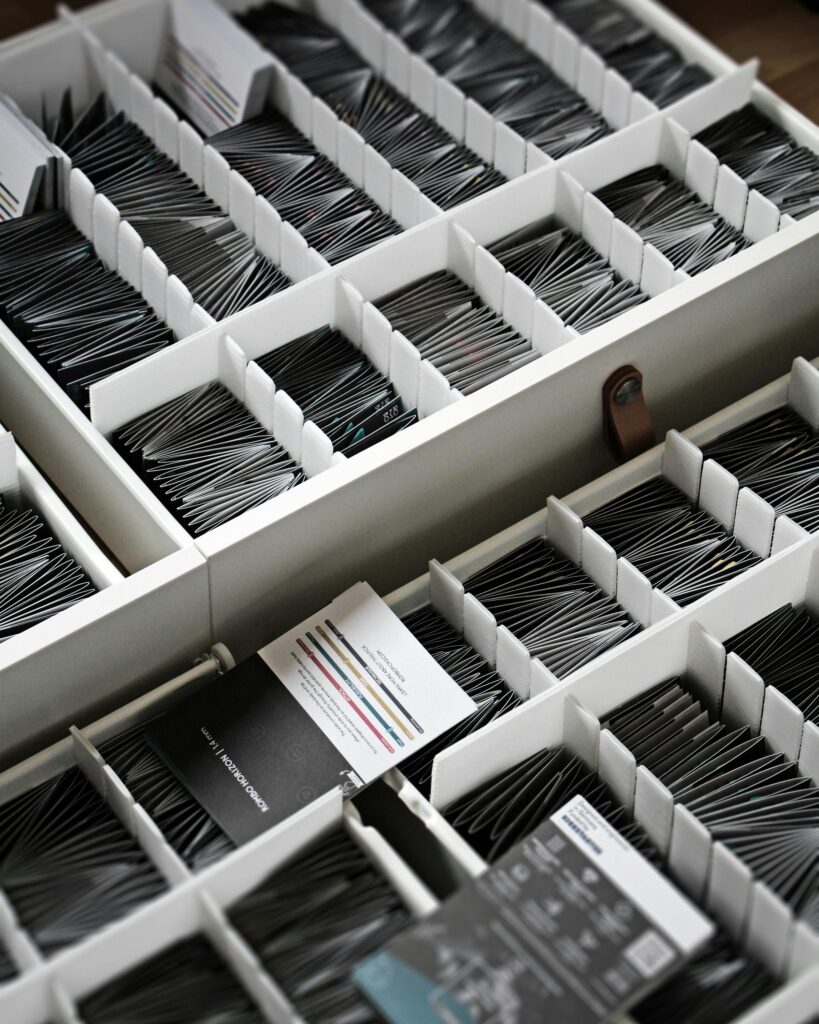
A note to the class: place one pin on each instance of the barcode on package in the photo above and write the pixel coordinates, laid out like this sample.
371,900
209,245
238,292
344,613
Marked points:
649,954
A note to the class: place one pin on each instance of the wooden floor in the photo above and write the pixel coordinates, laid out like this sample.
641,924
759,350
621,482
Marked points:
784,34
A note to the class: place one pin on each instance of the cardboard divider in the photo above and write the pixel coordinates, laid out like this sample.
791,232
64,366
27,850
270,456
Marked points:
214,357
167,861
513,662
719,491
687,641
731,197
729,890
415,895
754,522
9,471
770,926
599,561
243,962
706,667
653,808
661,139
633,590
709,872
803,391
446,594
682,464
464,863
809,752
581,732
756,215
23,953
617,767
689,852
701,170
782,723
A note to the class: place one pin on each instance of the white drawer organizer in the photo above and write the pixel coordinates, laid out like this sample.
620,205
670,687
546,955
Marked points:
470,467
90,656
688,642
48,989
472,464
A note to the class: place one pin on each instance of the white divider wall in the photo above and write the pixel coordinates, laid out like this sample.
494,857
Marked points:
476,435
559,718
45,678
391,189
486,460
751,913
192,904
194,363
688,644
711,179
92,656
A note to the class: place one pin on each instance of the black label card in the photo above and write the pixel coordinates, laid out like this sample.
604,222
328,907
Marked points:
573,926
245,749
335,702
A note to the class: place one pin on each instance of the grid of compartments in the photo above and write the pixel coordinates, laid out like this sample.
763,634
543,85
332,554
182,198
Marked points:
592,239
227,927
523,283
61,590
602,744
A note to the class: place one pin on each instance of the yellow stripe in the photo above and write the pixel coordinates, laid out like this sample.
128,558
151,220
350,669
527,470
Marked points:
366,682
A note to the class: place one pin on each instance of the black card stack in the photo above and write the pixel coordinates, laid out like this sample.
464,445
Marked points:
679,548
647,61
748,797
186,983
767,159
38,578
452,327
566,273
715,987
556,611
777,456
446,171
475,677
783,649
492,68
206,457
183,821
335,217
311,922
78,318
339,389
8,969
666,213
193,237
67,864
504,811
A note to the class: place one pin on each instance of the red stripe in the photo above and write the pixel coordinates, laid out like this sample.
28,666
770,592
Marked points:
344,694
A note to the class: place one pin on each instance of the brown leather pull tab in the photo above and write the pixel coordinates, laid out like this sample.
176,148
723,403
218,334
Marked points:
625,414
